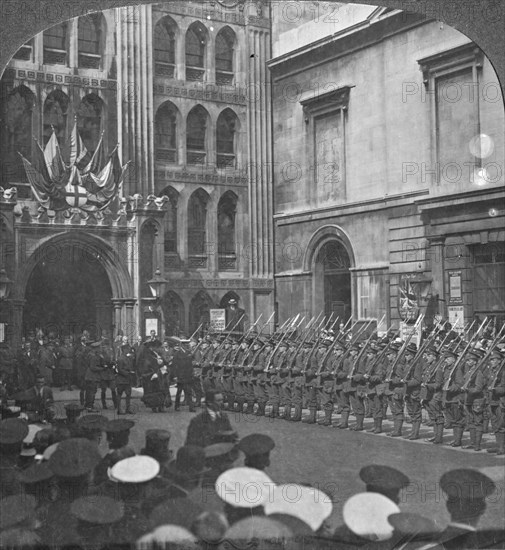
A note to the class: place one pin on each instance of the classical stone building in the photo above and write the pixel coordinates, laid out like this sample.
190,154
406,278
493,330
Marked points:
173,85
389,167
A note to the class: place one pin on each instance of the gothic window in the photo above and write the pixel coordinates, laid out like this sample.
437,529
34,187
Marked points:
55,116
197,222
164,47
16,132
225,138
165,128
196,43
225,46
89,36
173,309
199,311
89,120
171,220
196,131
55,45
226,213
147,255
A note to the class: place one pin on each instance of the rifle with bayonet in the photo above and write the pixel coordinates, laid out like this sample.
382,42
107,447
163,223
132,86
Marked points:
399,356
362,350
316,343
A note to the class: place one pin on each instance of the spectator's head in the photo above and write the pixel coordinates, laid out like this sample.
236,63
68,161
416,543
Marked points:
40,381
214,399
118,433
384,480
256,448
157,445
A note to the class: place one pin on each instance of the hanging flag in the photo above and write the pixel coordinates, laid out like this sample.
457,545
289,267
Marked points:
98,159
79,155
54,160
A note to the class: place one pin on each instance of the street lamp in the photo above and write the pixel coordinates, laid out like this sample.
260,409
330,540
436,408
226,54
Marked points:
157,284
5,284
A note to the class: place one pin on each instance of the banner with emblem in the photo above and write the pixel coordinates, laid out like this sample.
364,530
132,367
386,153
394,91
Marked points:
408,301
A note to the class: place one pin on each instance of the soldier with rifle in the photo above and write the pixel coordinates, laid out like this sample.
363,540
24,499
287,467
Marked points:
238,373
431,392
274,383
225,372
395,388
342,383
311,369
259,376
496,399
298,380
475,402
285,374
327,380
375,375
413,379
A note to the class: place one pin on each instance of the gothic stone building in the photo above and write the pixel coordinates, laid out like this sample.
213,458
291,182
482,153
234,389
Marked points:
173,85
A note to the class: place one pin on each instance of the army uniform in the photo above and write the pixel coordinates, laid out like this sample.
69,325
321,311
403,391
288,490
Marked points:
297,384
107,376
274,383
496,401
375,392
475,403
259,378
208,381
413,380
198,372
247,378
310,385
226,372
454,398
92,377
357,390
341,385
285,376
327,382
431,393
395,392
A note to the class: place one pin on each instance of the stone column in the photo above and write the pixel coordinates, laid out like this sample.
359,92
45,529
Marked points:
117,304
131,328
135,96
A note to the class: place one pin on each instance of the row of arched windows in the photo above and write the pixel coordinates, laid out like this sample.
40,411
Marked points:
168,135
167,41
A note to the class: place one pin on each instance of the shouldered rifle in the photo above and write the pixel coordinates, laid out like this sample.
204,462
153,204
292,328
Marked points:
422,348
314,347
496,376
234,358
283,336
303,339
470,345
473,371
392,367
362,350
329,350
196,331
248,352
380,356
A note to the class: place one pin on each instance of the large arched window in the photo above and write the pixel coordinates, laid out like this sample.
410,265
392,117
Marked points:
225,46
25,53
16,133
173,309
196,44
164,47
89,40
199,312
226,213
55,116
196,135
197,222
56,45
171,220
89,120
226,127
165,129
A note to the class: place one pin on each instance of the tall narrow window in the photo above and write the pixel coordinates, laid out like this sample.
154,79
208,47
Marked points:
197,222
225,46
226,213
164,47
196,131
89,36
165,127
89,120
225,139
196,43
55,116
147,255
171,220
55,45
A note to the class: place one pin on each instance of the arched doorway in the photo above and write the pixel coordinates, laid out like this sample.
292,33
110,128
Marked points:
67,292
333,280
199,311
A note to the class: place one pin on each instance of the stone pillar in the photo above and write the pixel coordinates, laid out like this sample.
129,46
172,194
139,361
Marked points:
131,328
14,331
73,54
117,304
135,97
437,265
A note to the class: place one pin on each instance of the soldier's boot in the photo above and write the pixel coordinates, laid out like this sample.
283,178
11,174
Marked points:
282,415
344,421
104,403
128,408
81,397
471,445
486,425
297,416
274,413
114,398
458,434
327,418
312,416
378,429
240,403
500,440
397,429
250,407
261,409
373,430
416,426
478,440
439,434
287,412
359,423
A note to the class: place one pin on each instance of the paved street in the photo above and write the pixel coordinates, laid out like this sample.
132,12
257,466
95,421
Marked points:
331,458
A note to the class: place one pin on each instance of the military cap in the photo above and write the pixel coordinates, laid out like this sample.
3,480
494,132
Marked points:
466,485
13,430
136,469
97,509
36,473
380,478
93,422
475,354
449,353
33,429
229,487
412,348
190,461
256,444
366,515
258,527
303,502
74,457
166,534
16,509
119,425
413,525
178,511
431,350
394,347
495,354
218,449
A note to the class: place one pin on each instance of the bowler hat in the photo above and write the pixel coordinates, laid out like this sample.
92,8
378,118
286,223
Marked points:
189,463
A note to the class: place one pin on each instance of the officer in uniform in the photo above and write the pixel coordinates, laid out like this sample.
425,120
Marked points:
345,384
413,380
454,397
431,393
327,379
256,448
375,389
475,402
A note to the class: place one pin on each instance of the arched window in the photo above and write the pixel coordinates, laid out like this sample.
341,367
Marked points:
225,46
89,36
25,52
55,45
165,129
199,312
196,43
226,213
164,47
89,120
55,116
171,220
226,127
196,132
173,309
16,133
197,222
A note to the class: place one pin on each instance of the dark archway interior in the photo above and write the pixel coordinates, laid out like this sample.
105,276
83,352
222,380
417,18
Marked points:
68,292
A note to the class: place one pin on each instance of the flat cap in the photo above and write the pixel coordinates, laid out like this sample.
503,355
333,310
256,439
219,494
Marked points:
385,478
230,487
16,509
136,469
74,457
466,484
119,425
13,430
35,473
256,444
97,509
